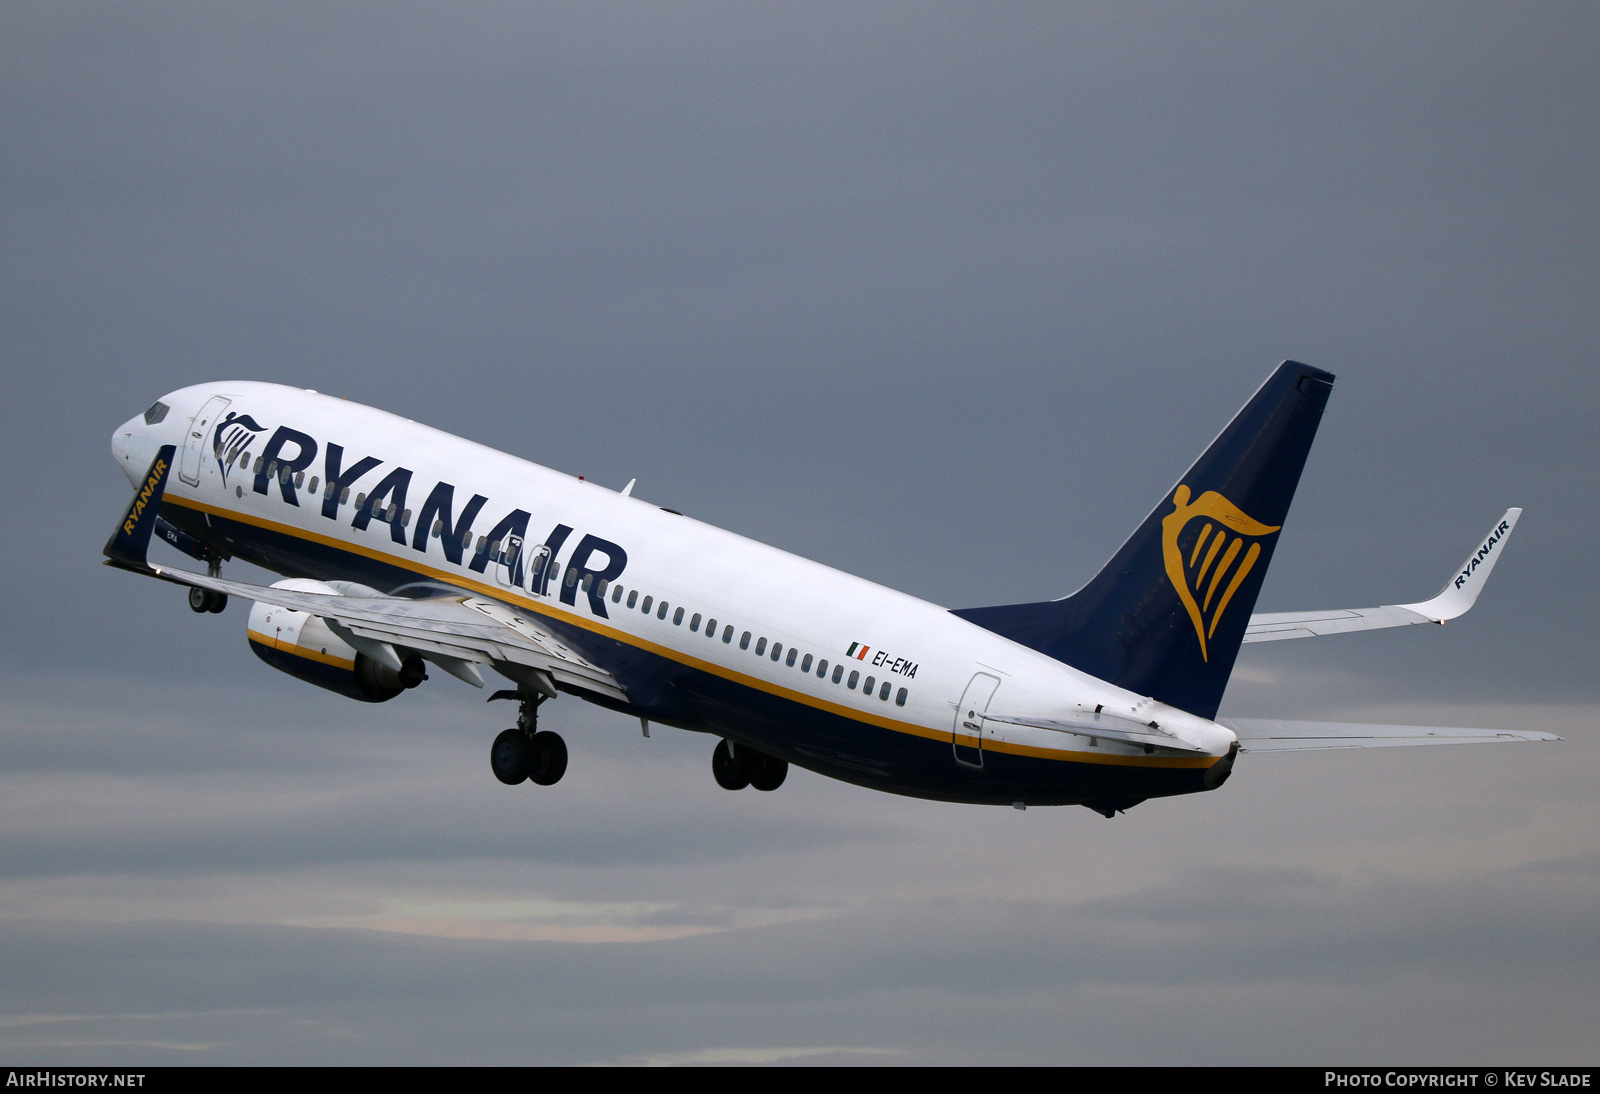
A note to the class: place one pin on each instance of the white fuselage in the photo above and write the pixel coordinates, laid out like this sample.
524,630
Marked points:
926,656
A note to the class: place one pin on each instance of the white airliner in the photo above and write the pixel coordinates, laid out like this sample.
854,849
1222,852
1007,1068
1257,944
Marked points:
405,547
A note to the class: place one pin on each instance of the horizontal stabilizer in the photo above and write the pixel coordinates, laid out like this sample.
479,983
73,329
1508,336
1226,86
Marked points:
1458,595
1104,725
1265,735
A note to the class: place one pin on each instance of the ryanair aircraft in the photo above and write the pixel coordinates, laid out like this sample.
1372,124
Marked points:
404,548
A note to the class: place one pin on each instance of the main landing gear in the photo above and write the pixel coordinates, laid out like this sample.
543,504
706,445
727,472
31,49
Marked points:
738,766
204,600
526,752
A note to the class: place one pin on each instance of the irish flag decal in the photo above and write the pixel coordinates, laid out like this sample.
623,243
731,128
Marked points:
858,651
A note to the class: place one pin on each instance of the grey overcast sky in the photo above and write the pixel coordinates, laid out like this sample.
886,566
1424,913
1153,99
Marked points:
945,295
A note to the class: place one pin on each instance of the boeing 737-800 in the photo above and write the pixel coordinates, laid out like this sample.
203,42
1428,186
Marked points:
404,547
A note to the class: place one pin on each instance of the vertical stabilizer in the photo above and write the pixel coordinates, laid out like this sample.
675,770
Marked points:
1166,615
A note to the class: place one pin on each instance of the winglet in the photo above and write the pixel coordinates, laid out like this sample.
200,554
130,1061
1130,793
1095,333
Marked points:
1461,591
130,543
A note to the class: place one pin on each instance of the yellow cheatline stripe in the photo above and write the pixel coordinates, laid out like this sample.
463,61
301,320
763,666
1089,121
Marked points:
299,651
573,619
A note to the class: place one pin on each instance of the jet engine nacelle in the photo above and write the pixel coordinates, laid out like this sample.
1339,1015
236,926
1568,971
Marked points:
304,646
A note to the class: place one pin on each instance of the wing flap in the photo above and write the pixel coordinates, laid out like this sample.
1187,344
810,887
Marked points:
1276,626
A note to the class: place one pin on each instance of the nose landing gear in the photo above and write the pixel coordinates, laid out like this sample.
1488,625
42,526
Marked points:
526,752
738,766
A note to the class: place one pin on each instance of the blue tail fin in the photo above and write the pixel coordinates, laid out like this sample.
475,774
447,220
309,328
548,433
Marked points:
1166,615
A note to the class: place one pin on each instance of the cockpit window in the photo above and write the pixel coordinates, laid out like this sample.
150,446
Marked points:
157,411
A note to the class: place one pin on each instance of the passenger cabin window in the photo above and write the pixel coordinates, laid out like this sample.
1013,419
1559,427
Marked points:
744,640
727,633
883,692
805,666
662,613
645,607
777,650
838,671
789,661
677,618
854,677
867,686
694,623
900,698
633,598
822,668
761,646
616,594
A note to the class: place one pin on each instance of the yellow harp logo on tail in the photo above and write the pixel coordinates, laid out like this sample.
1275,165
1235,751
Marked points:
1207,569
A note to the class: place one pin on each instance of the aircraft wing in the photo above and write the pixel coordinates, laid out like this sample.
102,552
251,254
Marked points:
454,632
1266,735
463,628
1458,594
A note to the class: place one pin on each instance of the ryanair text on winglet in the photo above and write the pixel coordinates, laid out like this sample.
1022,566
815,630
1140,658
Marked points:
157,470
1482,553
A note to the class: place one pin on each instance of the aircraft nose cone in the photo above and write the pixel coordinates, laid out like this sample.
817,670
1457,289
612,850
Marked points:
133,448
121,441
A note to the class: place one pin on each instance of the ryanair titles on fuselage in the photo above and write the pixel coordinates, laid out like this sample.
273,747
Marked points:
289,452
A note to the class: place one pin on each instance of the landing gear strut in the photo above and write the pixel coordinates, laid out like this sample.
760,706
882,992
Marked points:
738,766
526,752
